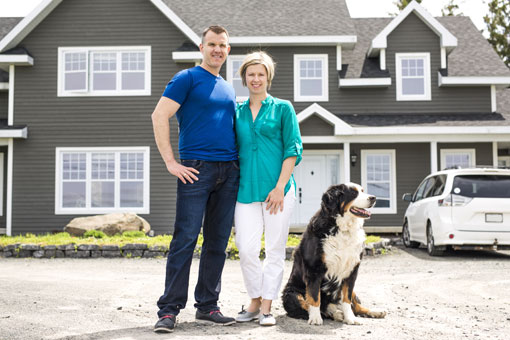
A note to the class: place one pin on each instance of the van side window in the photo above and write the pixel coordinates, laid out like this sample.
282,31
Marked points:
439,185
429,187
418,195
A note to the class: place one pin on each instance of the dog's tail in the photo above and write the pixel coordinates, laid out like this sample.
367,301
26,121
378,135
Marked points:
293,303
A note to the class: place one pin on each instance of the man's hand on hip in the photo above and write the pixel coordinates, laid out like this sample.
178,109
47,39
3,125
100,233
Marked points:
182,172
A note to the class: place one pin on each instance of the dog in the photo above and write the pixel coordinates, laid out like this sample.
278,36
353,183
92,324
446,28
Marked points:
327,260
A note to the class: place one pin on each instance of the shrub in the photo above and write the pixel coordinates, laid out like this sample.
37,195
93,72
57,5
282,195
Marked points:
133,234
95,234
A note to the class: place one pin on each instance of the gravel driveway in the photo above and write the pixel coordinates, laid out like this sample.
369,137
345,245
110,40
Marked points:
465,295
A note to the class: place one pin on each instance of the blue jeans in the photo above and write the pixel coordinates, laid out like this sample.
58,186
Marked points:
212,200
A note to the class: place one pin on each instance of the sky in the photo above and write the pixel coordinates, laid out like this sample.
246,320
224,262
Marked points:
475,9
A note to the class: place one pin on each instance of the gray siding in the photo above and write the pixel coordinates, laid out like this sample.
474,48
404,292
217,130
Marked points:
89,121
315,126
483,151
4,103
412,35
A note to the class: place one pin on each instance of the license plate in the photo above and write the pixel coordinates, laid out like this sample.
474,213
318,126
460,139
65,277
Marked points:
494,218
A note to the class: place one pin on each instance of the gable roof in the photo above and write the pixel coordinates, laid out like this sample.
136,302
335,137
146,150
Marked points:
256,21
473,56
446,38
7,24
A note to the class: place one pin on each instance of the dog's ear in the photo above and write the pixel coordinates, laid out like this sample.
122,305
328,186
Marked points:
333,200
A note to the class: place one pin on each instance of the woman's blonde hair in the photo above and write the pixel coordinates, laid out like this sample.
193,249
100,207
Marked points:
258,58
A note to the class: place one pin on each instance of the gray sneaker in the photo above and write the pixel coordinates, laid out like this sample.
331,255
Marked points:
214,317
245,316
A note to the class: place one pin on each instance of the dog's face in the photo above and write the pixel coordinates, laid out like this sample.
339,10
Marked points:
348,199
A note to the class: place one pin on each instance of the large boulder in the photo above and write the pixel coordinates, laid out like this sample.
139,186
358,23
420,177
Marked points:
109,224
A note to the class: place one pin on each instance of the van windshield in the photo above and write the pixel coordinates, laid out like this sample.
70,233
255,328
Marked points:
494,186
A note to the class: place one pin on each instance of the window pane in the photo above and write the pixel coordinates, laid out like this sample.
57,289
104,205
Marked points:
133,81
102,194
413,86
462,160
73,195
379,190
75,81
311,87
104,81
131,194
240,90
382,203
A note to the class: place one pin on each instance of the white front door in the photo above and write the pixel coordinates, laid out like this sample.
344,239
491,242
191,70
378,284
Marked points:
316,172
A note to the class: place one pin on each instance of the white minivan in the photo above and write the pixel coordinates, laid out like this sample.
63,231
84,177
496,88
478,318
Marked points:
461,209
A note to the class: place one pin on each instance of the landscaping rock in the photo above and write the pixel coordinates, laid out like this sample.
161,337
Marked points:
88,247
158,248
6,253
59,254
31,247
50,247
38,254
51,253
111,253
11,247
132,253
110,224
135,246
110,247
95,253
22,253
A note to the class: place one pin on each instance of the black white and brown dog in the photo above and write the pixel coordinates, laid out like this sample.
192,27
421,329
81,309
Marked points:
327,260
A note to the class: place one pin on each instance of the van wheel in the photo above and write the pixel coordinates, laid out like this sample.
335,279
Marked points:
406,237
432,249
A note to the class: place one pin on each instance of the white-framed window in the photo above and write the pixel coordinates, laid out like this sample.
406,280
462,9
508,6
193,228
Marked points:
102,180
311,77
378,177
504,161
463,158
234,78
413,76
104,71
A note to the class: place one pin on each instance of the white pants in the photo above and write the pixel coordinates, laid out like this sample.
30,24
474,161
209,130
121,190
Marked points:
250,221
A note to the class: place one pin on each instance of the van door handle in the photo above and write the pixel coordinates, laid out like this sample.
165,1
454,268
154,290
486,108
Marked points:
300,195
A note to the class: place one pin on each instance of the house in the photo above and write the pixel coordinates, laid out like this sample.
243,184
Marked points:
380,101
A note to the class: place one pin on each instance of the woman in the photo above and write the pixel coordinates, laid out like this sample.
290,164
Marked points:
269,147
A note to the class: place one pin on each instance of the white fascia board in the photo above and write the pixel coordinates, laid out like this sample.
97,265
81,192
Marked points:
472,81
365,82
12,133
341,127
174,18
16,59
186,56
407,138
27,24
447,40
433,130
319,40
4,86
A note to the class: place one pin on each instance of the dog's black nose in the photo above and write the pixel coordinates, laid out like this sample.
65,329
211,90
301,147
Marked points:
371,199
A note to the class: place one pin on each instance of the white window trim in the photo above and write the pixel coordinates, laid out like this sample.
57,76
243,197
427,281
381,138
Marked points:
325,82
89,92
59,210
231,72
444,152
426,72
393,178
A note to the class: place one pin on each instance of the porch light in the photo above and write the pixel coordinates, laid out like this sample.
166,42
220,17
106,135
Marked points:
354,158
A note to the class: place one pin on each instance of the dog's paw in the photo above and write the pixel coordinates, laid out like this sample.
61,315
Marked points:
352,321
338,315
314,316
377,314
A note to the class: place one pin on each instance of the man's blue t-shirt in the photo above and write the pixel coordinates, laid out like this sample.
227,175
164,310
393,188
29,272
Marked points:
206,115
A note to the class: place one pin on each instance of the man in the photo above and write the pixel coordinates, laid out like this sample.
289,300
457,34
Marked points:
208,179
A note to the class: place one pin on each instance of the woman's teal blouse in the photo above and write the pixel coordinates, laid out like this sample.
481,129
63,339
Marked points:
263,146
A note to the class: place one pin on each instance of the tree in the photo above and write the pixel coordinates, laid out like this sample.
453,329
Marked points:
450,8
401,4
498,27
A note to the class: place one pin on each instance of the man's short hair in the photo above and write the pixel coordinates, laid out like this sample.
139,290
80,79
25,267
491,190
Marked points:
258,58
215,29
